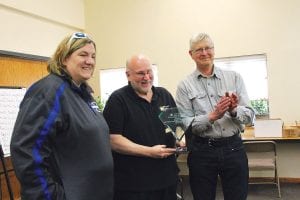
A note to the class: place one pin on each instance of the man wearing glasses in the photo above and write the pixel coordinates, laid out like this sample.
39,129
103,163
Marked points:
145,167
214,103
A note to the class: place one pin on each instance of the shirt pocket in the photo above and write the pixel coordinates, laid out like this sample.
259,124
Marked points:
199,102
221,92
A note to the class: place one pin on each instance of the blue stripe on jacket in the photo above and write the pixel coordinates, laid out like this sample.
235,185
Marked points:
41,139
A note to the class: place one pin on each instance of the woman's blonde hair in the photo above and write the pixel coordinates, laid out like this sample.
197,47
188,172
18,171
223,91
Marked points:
66,47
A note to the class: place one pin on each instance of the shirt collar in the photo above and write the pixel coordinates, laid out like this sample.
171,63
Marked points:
216,73
154,96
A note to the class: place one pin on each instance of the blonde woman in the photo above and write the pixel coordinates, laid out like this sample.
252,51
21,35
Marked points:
60,144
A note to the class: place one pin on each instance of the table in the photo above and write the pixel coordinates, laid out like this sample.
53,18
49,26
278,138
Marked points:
288,150
289,133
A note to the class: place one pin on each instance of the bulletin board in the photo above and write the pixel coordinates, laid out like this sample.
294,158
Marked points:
10,99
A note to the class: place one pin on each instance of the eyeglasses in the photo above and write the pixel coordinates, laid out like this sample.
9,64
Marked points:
142,74
201,50
78,35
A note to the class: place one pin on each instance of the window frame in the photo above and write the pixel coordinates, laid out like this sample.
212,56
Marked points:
117,74
258,95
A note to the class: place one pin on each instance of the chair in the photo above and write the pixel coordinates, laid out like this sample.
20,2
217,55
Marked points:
182,164
262,156
179,195
5,171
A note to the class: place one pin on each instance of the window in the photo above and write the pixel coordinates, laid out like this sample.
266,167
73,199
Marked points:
253,69
112,79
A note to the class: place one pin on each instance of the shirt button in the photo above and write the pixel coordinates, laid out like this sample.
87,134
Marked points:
211,95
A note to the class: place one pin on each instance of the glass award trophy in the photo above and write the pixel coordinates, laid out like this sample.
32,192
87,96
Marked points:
171,118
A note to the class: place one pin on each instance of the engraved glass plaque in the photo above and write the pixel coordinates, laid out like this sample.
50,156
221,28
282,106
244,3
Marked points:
171,118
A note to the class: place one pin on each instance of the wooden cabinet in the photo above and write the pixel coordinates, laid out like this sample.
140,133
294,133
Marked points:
22,73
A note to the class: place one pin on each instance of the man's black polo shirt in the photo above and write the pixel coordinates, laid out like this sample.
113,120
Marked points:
137,119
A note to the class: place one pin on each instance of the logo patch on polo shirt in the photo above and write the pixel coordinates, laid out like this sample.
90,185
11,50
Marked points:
94,106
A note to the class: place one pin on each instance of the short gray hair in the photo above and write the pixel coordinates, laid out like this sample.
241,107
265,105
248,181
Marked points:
199,37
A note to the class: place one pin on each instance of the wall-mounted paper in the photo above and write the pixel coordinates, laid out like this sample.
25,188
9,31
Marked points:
10,99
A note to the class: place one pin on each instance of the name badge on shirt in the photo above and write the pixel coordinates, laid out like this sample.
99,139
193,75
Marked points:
94,106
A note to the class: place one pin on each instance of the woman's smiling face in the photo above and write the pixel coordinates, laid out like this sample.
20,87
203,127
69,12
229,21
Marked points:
81,63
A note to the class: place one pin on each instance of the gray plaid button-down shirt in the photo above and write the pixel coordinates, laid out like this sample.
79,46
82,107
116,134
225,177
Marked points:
197,96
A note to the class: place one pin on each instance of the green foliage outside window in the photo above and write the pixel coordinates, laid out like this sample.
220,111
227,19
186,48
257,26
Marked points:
100,103
261,106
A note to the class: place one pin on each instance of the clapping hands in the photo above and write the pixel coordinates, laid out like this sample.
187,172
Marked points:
228,102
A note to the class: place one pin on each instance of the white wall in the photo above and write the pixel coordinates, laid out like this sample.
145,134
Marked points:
36,27
162,29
